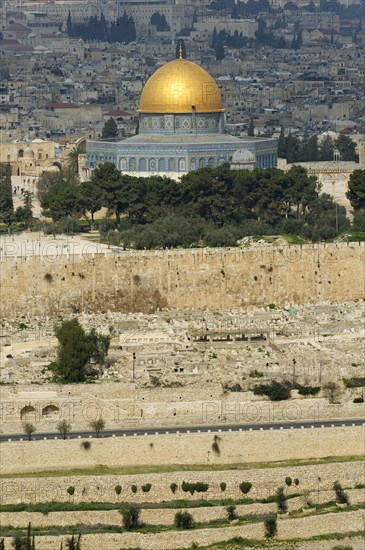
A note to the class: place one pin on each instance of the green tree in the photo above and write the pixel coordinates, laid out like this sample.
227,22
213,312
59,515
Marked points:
29,429
98,425
281,500
61,200
292,148
92,199
18,542
346,146
251,128
282,144
24,213
219,51
326,148
183,520
74,543
108,179
64,428
75,350
356,190
231,513
73,158
270,526
131,517
6,197
110,129
341,496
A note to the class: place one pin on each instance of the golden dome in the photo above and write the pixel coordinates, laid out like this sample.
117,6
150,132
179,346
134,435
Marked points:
177,87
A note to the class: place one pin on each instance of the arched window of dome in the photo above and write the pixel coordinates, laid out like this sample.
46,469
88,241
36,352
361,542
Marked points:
181,165
123,163
221,161
201,163
132,165
152,165
211,162
161,165
172,165
142,165
192,164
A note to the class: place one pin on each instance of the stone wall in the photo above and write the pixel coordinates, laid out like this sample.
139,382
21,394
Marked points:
317,478
200,278
162,516
344,522
128,407
195,448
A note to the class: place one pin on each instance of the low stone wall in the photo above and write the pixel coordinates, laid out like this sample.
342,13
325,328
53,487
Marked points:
140,409
344,522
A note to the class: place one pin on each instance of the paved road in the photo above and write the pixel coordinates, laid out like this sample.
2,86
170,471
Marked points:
214,428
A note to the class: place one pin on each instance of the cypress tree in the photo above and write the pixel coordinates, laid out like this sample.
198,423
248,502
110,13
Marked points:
6,198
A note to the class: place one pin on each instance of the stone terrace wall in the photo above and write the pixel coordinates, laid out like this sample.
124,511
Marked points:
234,448
344,522
317,478
199,278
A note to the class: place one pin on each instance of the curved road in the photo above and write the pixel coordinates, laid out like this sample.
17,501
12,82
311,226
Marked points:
257,426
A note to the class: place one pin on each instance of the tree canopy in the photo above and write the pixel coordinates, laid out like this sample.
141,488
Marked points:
76,349
356,191
6,197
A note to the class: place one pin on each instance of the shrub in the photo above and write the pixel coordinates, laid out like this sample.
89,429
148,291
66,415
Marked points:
131,517
199,487
356,382
183,520
86,445
341,496
281,500
71,490
296,481
275,391
342,547
223,486
118,489
308,390
288,481
146,488
270,526
173,487
134,488
245,487
231,513
359,400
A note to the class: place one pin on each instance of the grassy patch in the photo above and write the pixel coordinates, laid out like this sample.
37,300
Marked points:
293,239
135,470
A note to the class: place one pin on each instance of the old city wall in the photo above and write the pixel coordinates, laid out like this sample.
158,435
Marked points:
194,448
200,278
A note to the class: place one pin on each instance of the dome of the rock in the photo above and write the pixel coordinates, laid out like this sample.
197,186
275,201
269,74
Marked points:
179,87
